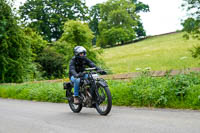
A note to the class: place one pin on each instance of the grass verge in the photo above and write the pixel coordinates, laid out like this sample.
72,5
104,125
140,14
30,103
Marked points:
49,92
180,91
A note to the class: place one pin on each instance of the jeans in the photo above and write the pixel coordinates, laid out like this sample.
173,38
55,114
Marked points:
76,82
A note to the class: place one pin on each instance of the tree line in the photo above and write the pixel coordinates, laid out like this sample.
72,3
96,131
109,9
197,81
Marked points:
191,25
37,41
105,20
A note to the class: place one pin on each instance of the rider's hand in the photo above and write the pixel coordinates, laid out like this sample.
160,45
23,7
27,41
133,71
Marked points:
76,76
81,74
102,72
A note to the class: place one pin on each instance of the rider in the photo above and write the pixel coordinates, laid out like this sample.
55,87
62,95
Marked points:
77,66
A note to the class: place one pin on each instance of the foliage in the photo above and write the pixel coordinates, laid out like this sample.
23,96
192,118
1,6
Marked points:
76,33
165,52
115,35
192,23
119,17
15,48
53,64
37,42
140,30
180,91
49,92
94,21
140,7
96,18
48,16
196,51
40,63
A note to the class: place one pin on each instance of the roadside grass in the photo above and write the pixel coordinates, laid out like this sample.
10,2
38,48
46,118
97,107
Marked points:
180,91
159,53
49,92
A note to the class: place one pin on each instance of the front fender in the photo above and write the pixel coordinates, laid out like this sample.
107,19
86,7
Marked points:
102,83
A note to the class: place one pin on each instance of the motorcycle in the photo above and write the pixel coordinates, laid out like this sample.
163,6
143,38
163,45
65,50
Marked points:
93,93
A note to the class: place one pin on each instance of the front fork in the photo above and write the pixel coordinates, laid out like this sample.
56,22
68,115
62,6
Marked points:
102,83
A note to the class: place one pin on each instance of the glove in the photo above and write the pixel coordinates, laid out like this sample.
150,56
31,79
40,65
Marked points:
102,72
81,74
76,75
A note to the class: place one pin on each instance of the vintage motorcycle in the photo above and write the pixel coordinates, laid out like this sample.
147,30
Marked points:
93,93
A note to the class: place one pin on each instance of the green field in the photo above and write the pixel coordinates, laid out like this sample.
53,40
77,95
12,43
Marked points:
159,53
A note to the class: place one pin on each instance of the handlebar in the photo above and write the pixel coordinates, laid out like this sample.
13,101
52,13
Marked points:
94,69
90,69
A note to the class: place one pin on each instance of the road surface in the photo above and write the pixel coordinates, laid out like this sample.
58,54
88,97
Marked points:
17,116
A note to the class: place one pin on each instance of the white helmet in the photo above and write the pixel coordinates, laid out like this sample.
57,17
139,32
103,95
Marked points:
79,49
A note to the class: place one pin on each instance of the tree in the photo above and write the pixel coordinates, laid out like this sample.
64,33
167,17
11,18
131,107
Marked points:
48,16
76,33
192,23
53,64
140,7
95,18
94,21
37,42
15,49
118,17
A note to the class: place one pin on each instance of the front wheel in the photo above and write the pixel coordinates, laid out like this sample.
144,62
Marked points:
104,100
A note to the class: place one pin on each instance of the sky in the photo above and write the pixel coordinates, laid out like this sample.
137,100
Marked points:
164,16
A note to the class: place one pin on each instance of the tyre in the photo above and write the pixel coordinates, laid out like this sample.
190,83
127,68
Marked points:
104,100
75,108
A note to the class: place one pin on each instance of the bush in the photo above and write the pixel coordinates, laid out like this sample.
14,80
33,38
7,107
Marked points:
120,91
53,64
180,91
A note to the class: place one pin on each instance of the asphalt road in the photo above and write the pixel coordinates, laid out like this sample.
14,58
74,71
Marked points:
18,116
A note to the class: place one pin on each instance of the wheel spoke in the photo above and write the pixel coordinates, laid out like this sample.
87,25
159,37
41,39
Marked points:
103,99
75,108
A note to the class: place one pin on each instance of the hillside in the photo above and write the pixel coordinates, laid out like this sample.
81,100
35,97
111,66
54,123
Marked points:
158,53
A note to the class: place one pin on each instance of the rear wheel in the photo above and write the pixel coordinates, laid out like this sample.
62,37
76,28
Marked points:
104,100
75,108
